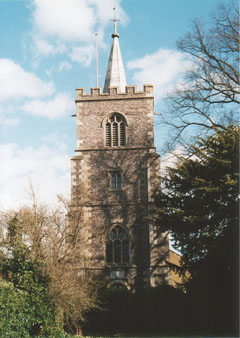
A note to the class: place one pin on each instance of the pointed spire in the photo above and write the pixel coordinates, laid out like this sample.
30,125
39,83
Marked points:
115,72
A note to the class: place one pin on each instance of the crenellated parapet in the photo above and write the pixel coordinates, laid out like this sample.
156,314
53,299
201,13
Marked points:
114,93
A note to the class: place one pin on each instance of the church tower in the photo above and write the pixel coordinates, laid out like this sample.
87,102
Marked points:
113,175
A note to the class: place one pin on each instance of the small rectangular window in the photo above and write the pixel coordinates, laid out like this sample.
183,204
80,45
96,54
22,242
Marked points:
115,180
119,181
114,186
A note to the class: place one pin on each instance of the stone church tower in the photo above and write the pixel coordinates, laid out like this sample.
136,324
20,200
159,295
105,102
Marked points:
114,173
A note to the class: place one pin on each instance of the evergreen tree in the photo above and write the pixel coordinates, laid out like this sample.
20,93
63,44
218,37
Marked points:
198,205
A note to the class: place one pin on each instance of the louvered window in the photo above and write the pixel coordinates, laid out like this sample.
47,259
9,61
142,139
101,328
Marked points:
115,131
122,134
115,134
108,134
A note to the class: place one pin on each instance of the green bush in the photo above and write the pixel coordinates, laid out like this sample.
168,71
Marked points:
153,310
15,317
21,318
26,310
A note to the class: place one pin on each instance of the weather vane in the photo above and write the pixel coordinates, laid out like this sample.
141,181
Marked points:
115,22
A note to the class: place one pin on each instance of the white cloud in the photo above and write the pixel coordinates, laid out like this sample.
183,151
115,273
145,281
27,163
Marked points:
163,69
9,122
34,96
68,26
59,106
170,159
69,20
74,20
58,140
43,47
47,166
83,54
17,83
65,65
104,11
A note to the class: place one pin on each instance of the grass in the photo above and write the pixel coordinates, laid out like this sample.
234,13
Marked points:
157,336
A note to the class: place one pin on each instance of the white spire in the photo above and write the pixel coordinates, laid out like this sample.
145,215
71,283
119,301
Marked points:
115,73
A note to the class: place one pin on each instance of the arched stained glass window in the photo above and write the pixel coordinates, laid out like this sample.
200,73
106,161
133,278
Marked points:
117,246
115,131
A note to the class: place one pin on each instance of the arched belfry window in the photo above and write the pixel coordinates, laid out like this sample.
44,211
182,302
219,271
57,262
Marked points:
115,130
117,246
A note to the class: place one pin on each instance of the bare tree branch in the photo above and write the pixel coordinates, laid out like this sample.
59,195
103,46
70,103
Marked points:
57,242
209,97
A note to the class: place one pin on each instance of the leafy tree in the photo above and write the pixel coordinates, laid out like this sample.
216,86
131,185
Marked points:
209,95
15,315
26,308
198,205
40,251
153,311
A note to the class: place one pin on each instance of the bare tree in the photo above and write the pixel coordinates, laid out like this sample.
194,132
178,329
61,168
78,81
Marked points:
209,97
53,236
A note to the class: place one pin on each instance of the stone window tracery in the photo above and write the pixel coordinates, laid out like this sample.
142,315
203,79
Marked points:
117,246
115,131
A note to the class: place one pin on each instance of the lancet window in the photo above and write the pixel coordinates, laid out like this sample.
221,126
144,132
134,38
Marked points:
117,246
115,131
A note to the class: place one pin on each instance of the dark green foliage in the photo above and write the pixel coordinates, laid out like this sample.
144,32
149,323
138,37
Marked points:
34,259
113,316
21,316
151,311
160,310
25,310
15,319
198,205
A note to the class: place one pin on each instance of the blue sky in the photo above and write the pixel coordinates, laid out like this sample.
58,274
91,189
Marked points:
47,49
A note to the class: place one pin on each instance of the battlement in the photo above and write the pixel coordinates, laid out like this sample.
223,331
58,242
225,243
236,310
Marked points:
114,93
